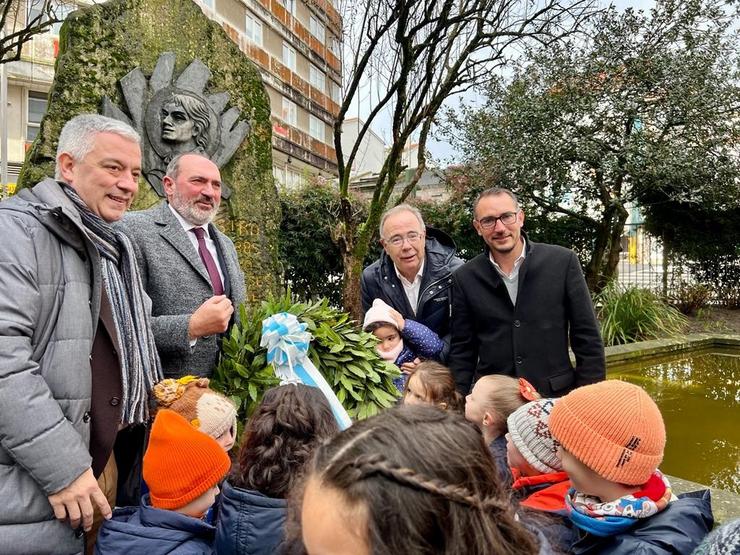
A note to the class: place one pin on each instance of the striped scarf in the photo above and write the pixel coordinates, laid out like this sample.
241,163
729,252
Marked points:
140,367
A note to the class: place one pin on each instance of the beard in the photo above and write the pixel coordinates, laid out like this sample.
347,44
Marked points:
189,210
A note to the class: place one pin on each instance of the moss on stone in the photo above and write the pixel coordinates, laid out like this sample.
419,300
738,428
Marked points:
101,43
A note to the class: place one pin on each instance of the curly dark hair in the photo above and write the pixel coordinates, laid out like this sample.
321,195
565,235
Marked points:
432,472
280,438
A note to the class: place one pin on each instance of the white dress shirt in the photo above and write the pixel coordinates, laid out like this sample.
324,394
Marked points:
411,288
511,280
210,245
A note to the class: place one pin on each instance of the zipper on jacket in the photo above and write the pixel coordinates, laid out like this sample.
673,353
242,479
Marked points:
427,288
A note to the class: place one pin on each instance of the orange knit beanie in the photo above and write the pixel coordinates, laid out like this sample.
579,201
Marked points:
190,397
614,428
181,463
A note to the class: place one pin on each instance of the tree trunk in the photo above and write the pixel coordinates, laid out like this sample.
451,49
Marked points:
602,266
615,246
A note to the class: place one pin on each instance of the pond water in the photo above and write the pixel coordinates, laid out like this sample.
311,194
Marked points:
699,395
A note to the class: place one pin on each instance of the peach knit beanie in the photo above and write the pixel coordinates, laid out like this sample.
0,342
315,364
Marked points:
614,428
181,463
207,410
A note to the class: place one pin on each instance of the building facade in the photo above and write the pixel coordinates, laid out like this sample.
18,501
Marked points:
295,45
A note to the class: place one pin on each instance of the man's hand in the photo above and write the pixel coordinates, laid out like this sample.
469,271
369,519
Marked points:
77,499
410,367
211,317
400,322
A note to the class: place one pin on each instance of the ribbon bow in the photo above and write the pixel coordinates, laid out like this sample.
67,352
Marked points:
287,342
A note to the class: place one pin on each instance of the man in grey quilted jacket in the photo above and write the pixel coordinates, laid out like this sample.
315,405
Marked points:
77,355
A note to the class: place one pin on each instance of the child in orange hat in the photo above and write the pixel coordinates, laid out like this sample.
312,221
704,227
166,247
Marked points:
182,467
612,437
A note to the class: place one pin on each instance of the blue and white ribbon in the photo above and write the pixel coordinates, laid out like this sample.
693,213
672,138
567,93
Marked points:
287,344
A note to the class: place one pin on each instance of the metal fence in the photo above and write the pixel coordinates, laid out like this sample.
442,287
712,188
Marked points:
643,263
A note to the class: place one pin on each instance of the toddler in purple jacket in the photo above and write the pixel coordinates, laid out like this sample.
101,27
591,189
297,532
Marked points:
401,340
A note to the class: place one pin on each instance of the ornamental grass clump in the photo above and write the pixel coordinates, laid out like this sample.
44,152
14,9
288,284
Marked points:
629,314
344,355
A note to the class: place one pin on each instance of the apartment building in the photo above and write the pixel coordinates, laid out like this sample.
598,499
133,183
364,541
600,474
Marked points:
294,43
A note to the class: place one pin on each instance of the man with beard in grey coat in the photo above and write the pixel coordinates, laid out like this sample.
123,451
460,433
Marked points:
77,355
190,269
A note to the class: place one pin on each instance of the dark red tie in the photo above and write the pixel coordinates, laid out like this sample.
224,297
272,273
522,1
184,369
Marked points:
205,256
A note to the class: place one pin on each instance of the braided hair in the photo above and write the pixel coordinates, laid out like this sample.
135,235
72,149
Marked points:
280,438
432,472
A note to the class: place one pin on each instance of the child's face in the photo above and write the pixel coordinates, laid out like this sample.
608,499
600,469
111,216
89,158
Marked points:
582,477
199,506
474,409
226,439
330,526
416,393
389,338
517,460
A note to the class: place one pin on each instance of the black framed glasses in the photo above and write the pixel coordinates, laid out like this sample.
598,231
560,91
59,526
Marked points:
507,218
412,237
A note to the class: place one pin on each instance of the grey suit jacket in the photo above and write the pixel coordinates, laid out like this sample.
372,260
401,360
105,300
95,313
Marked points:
176,279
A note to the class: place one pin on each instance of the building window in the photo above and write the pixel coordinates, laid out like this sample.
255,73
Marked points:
254,30
37,103
289,58
288,5
38,9
334,46
279,174
289,113
336,93
316,128
317,78
316,28
294,179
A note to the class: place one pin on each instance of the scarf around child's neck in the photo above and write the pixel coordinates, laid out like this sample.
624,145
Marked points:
592,515
392,355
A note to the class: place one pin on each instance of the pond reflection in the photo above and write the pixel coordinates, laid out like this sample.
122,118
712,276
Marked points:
699,396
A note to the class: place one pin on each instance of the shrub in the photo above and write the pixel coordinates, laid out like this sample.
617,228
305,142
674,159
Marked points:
635,314
688,298
345,356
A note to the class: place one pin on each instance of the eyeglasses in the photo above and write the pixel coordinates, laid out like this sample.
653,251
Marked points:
412,237
507,218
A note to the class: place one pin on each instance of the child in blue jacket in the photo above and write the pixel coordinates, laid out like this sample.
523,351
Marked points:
401,340
279,439
182,467
612,437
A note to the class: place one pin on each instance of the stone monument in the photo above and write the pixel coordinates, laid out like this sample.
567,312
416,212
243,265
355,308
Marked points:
174,75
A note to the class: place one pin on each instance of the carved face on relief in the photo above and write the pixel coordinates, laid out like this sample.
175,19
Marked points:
177,126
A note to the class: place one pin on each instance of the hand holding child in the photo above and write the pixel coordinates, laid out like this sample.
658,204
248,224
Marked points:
400,322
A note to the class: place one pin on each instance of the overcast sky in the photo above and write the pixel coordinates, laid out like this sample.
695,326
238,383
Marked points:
441,152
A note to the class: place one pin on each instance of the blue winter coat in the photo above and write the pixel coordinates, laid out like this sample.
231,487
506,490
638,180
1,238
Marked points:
150,531
678,529
418,341
249,523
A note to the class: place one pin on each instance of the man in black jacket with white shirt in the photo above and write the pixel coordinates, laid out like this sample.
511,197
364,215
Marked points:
413,273
519,305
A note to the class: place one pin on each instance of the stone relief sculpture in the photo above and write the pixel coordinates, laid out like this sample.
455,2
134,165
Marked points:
177,115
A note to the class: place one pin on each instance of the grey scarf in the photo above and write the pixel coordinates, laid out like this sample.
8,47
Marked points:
140,367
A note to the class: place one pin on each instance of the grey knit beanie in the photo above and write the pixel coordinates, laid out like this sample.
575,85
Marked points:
529,430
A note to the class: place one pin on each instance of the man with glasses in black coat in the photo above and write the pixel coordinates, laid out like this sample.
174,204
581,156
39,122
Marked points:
520,305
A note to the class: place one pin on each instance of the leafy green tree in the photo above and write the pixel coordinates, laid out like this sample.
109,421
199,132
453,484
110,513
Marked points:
645,102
